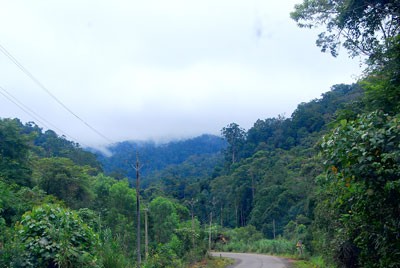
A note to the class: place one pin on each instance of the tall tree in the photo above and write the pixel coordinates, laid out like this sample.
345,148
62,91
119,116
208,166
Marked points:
235,136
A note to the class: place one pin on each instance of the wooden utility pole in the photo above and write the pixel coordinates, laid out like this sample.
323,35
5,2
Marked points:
273,227
137,168
209,233
213,202
146,237
191,203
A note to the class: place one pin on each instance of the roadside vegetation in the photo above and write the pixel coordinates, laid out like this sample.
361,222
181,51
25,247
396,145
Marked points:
328,176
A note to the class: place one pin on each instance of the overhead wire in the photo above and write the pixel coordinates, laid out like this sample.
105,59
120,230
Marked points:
35,115
21,107
45,89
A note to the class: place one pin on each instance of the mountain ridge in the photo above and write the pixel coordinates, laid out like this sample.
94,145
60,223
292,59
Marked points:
156,157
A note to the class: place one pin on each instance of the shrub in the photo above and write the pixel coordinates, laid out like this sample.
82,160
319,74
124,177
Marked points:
52,236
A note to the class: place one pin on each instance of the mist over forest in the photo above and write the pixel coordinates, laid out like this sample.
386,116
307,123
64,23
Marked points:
321,186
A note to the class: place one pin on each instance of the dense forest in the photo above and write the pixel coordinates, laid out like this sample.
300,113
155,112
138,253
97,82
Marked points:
58,209
203,151
328,175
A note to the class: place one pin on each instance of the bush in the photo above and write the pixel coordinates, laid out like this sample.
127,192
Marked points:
266,246
52,236
112,254
163,256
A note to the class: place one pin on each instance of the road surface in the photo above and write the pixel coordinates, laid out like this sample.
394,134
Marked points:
249,260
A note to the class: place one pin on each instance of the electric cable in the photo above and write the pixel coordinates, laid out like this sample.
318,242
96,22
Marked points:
40,85
35,115
21,107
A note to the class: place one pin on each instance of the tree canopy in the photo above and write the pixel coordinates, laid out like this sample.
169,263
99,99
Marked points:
363,27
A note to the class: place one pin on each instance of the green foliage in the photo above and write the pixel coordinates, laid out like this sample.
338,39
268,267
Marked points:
174,239
179,180
119,213
122,198
295,231
248,239
7,202
268,187
264,246
49,144
16,200
156,157
101,185
357,217
272,205
305,124
112,253
164,256
52,235
164,219
362,190
381,93
313,262
65,180
361,27
235,136
382,85
14,153
245,234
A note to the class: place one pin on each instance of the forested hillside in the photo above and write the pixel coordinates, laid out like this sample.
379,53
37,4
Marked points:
270,184
328,176
189,159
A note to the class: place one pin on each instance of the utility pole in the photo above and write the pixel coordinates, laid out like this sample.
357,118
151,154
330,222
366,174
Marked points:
209,233
273,226
137,168
191,203
146,238
213,202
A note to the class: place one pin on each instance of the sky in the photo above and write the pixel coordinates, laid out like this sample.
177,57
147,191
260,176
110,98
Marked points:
101,72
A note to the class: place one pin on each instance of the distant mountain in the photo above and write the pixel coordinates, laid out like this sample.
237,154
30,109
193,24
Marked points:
156,157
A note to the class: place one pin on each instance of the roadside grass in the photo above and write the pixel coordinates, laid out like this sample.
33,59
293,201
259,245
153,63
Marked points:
213,262
313,262
263,246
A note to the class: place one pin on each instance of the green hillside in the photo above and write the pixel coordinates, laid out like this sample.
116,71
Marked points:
199,153
322,186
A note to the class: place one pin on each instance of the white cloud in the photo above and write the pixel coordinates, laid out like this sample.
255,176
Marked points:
161,69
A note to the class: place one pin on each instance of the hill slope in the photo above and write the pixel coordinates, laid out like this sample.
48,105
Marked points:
158,157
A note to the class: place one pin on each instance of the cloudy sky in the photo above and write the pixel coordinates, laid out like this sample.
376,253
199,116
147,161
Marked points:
158,69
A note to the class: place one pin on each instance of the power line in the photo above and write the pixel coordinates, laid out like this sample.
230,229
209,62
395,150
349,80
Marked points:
33,114
38,83
10,98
